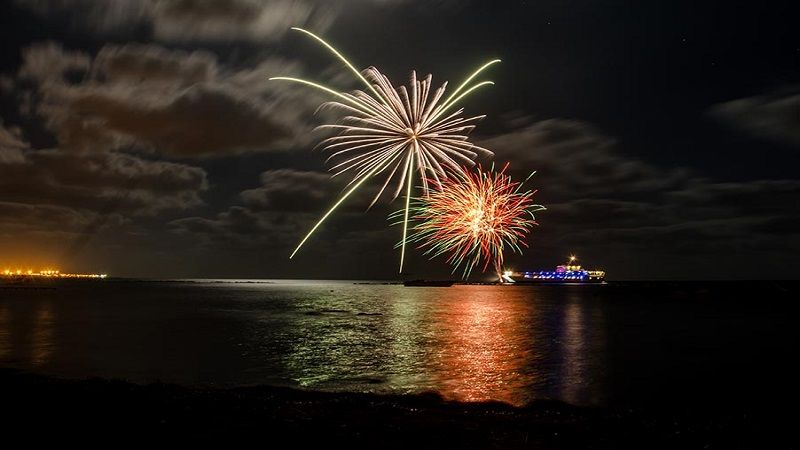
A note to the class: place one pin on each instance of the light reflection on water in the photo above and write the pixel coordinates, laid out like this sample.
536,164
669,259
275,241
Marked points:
465,342
512,344
42,336
484,349
5,332
30,338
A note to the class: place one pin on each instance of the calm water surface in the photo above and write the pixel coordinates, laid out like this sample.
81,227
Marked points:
580,344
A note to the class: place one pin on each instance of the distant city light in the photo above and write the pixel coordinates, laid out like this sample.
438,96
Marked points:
49,273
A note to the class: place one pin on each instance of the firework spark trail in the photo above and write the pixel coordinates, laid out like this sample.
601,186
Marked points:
473,218
396,132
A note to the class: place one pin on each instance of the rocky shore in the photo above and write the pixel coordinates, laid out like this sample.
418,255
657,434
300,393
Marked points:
94,408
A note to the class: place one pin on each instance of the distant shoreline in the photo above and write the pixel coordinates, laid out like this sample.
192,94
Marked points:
111,279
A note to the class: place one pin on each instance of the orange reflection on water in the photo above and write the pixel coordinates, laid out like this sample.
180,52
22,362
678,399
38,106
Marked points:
580,354
42,335
573,351
484,348
27,333
5,332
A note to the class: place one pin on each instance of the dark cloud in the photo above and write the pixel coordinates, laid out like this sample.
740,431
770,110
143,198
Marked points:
275,234
243,227
725,214
176,103
200,121
248,20
10,156
265,239
751,197
143,99
107,17
573,158
288,190
48,62
11,137
297,190
95,181
190,20
285,207
276,216
136,63
11,145
56,199
19,220
774,117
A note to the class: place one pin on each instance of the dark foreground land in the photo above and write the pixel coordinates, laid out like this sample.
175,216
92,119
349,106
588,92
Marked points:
86,410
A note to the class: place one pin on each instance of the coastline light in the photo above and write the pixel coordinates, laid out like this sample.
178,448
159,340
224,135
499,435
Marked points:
49,273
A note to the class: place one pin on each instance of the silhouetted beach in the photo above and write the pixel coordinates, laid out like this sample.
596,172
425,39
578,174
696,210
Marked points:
95,408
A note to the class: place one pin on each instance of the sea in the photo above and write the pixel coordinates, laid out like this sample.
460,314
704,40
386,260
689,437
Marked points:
624,343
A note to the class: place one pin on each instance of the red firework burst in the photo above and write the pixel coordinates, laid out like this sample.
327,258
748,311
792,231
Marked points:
473,218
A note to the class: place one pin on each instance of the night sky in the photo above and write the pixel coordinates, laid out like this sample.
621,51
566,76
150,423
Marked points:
143,138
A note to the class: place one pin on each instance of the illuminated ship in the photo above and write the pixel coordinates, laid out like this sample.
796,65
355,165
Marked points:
565,273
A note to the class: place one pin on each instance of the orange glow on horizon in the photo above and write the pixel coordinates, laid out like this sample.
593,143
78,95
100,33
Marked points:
48,273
